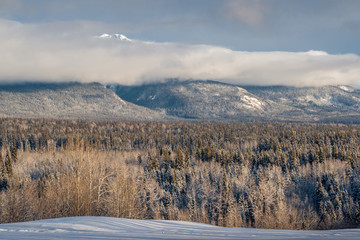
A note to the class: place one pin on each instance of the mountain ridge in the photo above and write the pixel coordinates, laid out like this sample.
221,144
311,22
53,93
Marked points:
212,100
69,101
174,100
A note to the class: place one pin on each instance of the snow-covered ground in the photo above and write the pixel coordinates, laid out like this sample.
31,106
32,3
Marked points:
119,228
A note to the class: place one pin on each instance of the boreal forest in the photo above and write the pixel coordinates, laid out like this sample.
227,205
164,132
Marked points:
263,175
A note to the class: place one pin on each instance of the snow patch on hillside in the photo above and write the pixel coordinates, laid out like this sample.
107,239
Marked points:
346,88
252,103
320,101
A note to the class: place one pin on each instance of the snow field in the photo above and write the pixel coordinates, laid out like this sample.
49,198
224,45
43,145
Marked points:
117,228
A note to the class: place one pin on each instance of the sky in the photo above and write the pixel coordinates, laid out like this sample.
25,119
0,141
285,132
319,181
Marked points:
258,42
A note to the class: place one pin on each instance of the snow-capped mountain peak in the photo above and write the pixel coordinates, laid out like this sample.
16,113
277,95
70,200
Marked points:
117,36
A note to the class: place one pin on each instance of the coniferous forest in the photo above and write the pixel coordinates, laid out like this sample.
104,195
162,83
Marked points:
263,175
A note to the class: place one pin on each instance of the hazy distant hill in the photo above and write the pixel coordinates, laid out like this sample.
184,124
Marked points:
328,103
176,100
342,99
209,100
69,101
199,100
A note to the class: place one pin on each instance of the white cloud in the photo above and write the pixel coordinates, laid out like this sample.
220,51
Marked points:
68,52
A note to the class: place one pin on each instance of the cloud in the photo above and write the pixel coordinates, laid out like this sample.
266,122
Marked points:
67,51
249,12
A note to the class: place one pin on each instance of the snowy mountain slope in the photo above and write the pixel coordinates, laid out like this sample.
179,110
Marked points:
209,100
329,103
199,100
176,100
326,98
69,101
117,228
116,36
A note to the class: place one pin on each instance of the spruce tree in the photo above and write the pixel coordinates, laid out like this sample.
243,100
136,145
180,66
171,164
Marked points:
335,151
3,179
14,155
8,164
179,159
2,165
322,155
155,163
166,159
187,158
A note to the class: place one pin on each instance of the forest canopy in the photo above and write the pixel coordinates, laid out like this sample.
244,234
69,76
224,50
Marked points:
263,175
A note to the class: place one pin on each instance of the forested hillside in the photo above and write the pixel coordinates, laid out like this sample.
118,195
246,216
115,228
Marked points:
218,101
263,175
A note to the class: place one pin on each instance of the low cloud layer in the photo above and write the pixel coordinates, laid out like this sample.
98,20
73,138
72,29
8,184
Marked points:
68,51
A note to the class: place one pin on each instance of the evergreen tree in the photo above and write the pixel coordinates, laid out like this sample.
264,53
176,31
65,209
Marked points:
180,164
166,159
294,160
2,165
322,155
193,209
14,155
139,159
3,173
8,164
187,158
153,163
335,151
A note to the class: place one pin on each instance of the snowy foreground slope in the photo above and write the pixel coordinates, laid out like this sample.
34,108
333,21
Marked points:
117,228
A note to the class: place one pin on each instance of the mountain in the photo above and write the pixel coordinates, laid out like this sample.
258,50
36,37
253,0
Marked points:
180,101
210,100
199,100
116,36
328,103
69,101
